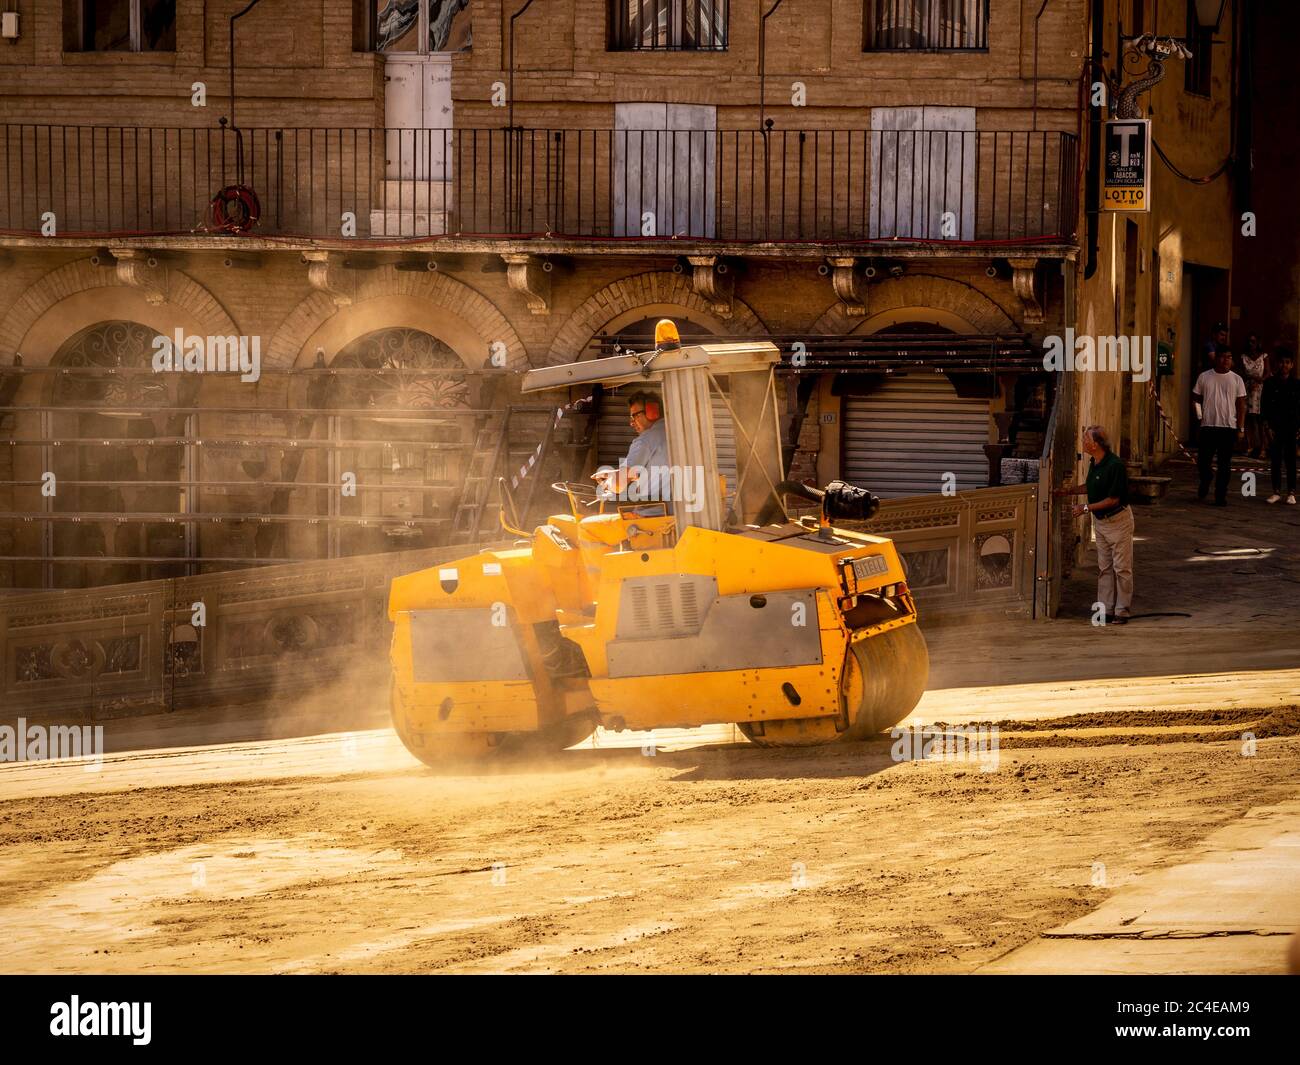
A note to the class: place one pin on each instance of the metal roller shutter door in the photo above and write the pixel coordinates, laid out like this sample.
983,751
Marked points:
614,434
902,439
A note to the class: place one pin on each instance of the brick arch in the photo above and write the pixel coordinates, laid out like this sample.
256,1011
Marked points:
80,276
955,300
657,292
434,302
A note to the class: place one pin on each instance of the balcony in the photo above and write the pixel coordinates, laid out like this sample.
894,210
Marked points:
625,186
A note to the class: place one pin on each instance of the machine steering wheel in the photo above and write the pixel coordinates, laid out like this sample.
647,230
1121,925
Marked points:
577,488
578,491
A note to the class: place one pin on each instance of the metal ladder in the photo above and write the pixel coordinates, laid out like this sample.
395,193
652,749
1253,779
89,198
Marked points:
480,473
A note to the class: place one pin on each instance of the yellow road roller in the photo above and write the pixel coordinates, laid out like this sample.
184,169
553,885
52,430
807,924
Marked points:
667,612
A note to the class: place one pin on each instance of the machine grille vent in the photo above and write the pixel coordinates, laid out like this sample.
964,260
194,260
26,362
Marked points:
640,608
664,607
665,616
690,608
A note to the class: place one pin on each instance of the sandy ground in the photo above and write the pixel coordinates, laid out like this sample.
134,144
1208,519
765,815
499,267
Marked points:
1122,775
717,858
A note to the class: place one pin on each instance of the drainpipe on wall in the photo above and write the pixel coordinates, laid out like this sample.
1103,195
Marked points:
1036,20
1092,185
510,90
233,18
762,63
1241,87
234,126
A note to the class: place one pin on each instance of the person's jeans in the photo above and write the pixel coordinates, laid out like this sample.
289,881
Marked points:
1115,560
1215,442
1282,450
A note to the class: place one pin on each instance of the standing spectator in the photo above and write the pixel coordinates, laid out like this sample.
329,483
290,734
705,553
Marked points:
1218,339
1281,407
1220,398
1112,521
1254,369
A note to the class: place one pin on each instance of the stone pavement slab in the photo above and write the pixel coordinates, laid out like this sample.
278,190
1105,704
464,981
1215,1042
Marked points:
1232,908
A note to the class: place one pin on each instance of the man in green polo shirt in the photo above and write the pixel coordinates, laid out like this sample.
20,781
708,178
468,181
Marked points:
1112,521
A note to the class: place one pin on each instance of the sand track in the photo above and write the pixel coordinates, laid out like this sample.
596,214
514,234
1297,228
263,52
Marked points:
339,854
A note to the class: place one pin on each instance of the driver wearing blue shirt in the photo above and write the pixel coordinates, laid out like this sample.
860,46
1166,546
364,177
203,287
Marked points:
644,474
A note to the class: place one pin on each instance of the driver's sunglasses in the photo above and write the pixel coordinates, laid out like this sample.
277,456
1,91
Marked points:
633,415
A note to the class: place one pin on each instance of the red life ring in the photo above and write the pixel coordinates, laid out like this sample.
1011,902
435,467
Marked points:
235,209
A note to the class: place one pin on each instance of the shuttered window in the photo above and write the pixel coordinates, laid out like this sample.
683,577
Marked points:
667,25
926,25
902,439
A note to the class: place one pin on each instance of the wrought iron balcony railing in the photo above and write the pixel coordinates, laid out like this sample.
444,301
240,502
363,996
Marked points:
582,184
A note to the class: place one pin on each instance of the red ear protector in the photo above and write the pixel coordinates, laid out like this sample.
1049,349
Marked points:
653,412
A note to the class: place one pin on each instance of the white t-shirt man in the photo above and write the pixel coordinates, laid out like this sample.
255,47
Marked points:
1219,393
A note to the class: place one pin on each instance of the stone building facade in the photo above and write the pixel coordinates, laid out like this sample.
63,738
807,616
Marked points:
452,191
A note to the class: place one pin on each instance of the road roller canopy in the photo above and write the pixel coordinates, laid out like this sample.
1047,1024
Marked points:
687,376
745,357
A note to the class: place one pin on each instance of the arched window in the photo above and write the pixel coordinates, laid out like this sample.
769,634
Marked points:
410,442
110,464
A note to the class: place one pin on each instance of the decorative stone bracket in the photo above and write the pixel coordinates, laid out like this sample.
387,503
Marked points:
530,276
712,281
137,269
1024,278
850,285
323,274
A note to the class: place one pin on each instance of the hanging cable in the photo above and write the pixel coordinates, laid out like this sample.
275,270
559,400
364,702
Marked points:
1223,167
